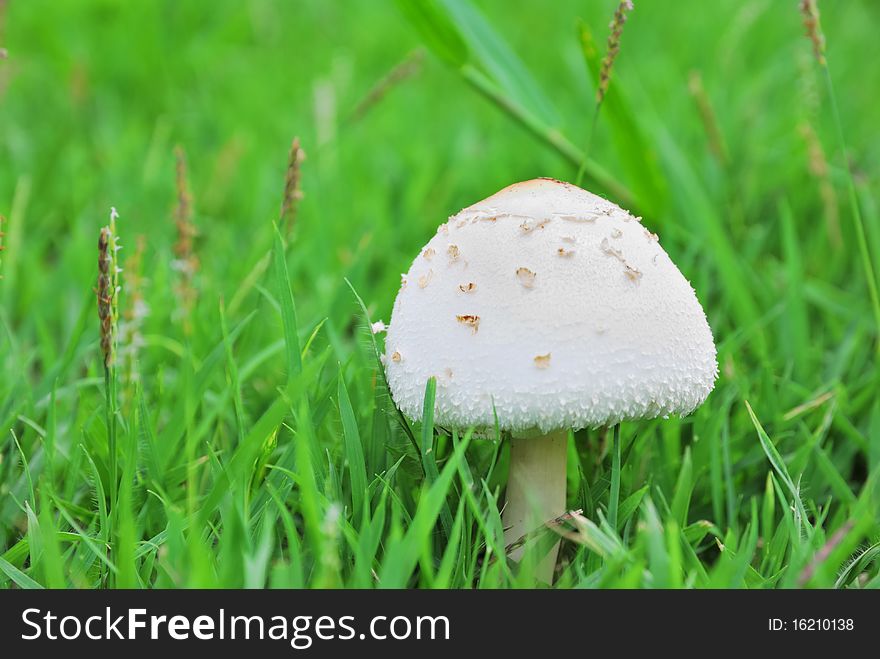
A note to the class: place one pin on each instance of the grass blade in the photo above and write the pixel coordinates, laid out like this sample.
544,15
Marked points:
20,578
288,310
779,467
354,452
614,496
429,460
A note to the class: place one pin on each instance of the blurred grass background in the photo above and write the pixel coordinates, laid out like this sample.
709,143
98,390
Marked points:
718,124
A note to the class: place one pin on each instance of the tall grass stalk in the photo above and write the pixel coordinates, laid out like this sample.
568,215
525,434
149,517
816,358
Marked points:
108,315
292,187
186,262
708,118
407,68
611,52
855,208
813,26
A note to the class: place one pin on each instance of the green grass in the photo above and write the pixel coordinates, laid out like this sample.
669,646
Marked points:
262,448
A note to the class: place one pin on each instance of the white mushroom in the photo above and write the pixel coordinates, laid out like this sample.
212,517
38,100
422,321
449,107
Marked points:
655,355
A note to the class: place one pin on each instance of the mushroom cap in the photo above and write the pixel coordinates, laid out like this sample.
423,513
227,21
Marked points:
552,308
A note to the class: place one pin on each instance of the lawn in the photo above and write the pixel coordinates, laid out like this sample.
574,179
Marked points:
247,438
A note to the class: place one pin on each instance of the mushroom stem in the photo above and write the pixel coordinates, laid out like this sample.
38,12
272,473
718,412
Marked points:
535,492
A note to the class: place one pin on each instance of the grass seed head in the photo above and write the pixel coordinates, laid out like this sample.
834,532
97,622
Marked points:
108,289
292,188
186,231
616,27
812,25
186,262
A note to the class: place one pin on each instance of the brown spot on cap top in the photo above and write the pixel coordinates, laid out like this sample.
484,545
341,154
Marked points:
632,273
395,357
565,253
453,252
470,320
424,279
469,287
542,361
526,277
429,253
